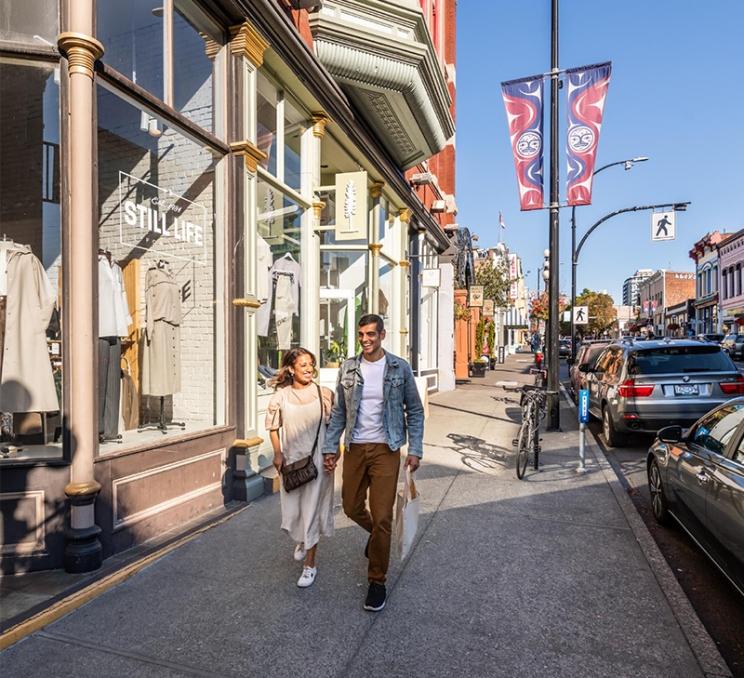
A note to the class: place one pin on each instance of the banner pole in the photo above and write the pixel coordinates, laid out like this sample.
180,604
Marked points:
554,281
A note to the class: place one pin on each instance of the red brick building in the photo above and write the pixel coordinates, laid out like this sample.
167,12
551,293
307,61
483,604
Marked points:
663,290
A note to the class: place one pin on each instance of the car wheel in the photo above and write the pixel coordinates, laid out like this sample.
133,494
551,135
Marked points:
612,437
658,500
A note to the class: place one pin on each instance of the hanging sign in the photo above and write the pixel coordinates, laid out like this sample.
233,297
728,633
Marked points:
430,277
581,315
662,226
488,308
352,214
476,296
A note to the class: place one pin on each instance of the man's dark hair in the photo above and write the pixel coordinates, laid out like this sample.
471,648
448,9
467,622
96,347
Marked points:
372,319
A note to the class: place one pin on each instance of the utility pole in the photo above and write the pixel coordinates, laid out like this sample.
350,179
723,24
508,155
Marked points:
554,282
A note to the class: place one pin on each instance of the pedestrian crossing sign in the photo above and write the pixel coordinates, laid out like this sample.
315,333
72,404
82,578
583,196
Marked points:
662,226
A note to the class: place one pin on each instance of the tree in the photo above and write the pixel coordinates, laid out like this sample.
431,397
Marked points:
540,307
494,280
602,312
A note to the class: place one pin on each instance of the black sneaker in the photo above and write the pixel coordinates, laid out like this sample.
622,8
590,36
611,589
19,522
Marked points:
366,548
375,597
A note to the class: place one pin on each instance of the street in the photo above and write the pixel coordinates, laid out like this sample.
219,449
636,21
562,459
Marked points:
719,606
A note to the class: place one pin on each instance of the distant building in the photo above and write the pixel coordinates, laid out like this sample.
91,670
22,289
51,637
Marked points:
705,255
630,286
731,300
661,290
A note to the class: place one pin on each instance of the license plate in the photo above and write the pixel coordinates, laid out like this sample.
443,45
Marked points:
686,390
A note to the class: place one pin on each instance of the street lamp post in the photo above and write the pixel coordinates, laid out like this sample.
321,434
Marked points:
676,206
628,164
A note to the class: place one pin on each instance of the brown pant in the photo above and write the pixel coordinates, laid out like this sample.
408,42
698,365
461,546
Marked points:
372,467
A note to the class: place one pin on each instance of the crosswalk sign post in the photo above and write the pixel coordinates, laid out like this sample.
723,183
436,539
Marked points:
662,226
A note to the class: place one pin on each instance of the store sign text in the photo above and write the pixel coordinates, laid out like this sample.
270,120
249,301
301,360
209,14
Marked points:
151,219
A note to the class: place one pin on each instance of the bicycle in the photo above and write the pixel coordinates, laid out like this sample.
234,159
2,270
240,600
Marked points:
533,402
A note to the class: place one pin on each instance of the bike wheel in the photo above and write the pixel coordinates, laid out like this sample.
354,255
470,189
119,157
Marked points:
523,449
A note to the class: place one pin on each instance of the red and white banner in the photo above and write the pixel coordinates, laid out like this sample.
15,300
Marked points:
524,112
587,91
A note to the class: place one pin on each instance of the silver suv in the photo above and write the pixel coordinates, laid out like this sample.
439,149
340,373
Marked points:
644,386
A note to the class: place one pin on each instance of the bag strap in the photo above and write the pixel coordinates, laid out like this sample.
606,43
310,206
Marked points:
317,433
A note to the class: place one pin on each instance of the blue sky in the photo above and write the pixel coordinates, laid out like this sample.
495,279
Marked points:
675,96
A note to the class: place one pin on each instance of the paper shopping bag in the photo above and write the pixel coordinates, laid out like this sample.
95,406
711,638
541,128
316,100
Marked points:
406,516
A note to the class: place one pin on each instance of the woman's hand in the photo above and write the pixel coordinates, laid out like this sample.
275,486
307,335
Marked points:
278,461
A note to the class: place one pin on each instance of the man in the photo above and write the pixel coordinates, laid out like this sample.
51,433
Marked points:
376,403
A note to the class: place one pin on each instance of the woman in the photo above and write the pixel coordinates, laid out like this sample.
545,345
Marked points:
293,420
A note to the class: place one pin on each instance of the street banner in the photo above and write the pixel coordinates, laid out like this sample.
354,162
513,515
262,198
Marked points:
524,112
587,91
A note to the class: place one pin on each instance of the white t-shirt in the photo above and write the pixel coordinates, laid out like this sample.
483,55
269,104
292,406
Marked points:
368,427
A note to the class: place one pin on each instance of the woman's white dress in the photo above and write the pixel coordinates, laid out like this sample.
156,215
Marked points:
307,512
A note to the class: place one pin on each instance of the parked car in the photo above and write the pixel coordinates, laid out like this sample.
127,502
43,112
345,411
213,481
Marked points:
644,386
714,338
586,354
697,478
564,348
734,344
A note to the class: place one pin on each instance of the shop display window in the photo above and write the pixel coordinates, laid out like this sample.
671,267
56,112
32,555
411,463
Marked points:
279,284
159,269
343,289
30,259
134,36
30,21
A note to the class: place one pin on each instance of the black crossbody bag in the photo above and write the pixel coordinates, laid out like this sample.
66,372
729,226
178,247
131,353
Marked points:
303,471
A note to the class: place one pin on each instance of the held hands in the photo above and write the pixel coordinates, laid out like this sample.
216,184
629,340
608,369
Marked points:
330,461
412,462
278,461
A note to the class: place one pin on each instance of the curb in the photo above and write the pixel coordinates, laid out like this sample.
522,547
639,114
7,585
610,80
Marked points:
82,596
702,645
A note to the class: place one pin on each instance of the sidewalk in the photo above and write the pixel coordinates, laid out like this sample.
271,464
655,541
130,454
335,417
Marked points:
543,577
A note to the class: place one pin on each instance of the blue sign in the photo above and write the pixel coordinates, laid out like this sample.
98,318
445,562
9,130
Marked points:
583,406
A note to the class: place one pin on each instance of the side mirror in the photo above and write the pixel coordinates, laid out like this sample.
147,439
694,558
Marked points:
569,361
670,434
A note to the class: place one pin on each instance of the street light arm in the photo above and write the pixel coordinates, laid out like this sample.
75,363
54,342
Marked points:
637,208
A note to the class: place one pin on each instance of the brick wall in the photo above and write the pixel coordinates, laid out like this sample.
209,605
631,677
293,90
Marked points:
679,287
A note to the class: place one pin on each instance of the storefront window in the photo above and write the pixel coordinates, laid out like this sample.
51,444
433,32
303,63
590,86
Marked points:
29,21
268,96
279,278
134,35
30,257
158,271
343,286
385,301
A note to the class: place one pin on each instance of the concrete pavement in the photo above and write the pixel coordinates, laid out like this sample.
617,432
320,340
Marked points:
542,577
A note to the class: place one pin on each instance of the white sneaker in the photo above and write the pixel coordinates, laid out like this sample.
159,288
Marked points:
307,577
299,552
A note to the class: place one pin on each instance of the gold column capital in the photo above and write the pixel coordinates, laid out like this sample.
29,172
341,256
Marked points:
211,47
82,489
246,443
375,248
404,263
81,51
246,41
375,190
405,215
318,206
246,302
320,121
250,152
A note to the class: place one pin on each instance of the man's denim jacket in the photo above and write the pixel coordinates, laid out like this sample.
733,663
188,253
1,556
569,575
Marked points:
402,409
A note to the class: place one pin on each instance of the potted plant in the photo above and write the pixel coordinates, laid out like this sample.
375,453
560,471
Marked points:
491,343
478,367
336,353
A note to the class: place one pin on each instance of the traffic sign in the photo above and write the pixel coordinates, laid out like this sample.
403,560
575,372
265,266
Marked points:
583,406
581,315
662,226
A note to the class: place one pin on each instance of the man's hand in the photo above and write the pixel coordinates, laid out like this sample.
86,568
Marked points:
412,462
329,462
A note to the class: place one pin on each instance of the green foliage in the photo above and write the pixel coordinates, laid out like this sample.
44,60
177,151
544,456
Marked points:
495,282
491,337
480,330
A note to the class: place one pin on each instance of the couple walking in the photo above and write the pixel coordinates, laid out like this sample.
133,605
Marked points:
375,404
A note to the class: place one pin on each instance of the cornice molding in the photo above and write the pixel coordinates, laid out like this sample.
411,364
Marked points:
246,41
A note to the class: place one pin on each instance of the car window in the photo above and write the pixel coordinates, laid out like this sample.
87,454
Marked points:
616,362
680,359
715,430
604,360
592,355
